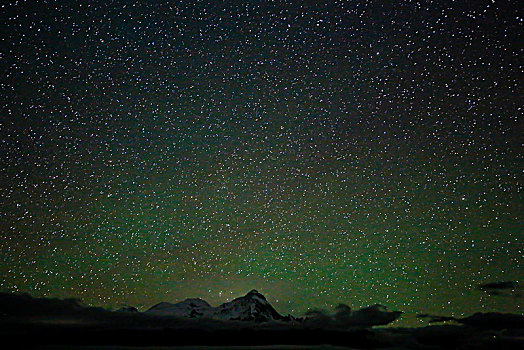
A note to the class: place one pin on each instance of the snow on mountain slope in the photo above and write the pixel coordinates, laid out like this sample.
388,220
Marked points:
190,308
251,307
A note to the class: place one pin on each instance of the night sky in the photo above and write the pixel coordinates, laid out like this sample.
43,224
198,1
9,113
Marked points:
349,151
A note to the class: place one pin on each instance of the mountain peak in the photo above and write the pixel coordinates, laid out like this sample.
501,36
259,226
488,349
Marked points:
251,307
161,305
191,308
255,293
195,302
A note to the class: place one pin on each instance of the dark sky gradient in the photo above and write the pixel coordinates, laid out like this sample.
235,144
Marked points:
355,152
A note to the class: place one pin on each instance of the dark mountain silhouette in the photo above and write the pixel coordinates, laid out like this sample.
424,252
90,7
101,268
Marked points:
246,321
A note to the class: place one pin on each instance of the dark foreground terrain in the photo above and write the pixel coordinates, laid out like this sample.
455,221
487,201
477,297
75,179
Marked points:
42,323
431,337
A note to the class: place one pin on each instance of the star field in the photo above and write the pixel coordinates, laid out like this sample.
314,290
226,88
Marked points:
321,152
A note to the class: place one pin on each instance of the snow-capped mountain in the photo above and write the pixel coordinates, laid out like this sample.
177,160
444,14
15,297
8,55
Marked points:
251,307
190,308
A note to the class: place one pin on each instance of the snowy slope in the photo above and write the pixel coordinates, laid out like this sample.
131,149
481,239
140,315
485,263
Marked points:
190,308
251,307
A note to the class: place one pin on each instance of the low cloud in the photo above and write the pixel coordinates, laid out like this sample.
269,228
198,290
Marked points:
502,288
483,320
498,285
344,317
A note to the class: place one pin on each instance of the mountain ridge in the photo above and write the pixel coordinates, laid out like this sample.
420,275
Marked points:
251,307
